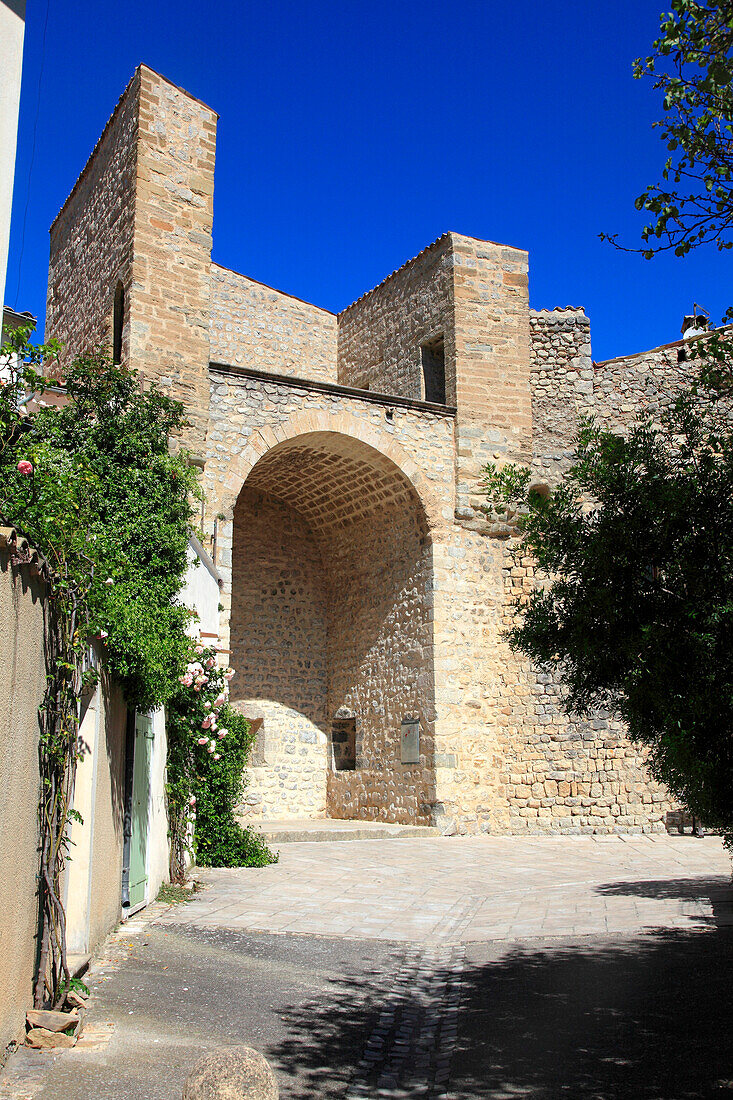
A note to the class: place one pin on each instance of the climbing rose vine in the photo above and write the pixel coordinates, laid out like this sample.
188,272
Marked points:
93,483
208,745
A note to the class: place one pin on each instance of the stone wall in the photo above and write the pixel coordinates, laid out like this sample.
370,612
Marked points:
380,335
22,687
492,362
508,757
635,386
141,214
365,577
370,483
92,237
252,325
278,648
565,774
170,299
562,386
380,648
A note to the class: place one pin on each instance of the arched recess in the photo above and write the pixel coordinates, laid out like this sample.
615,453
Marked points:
436,502
331,614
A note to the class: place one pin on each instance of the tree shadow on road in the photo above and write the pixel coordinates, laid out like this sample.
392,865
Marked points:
715,889
644,1018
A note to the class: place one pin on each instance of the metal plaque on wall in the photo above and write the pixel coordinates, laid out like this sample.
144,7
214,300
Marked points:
410,741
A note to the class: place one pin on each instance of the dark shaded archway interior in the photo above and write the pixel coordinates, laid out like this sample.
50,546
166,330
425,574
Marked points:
332,611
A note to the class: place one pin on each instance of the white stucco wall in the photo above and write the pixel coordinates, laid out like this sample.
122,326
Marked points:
201,592
12,28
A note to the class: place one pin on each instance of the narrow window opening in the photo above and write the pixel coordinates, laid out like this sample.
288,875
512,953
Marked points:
118,321
257,752
432,355
343,744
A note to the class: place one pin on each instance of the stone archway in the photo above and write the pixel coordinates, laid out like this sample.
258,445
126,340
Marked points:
331,631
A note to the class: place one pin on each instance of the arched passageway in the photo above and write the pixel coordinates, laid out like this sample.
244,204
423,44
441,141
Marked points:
331,633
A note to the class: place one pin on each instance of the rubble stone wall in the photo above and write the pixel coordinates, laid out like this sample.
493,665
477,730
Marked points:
92,238
141,214
381,661
254,326
636,386
374,551
278,648
509,758
562,386
380,335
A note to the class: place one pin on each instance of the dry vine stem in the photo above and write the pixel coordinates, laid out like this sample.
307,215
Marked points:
59,752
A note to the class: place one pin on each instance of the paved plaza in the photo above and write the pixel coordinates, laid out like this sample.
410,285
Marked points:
466,889
451,968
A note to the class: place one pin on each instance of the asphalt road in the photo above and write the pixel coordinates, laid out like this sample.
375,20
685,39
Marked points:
644,1018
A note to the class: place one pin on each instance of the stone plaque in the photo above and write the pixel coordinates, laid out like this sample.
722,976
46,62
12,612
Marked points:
410,741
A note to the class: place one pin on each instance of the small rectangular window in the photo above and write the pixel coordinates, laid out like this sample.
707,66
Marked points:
432,355
410,741
257,752
118,320
343,744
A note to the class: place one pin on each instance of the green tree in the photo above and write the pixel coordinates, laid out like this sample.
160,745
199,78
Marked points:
692,66
636,612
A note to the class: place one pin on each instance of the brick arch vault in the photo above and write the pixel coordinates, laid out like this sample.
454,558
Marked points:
331,624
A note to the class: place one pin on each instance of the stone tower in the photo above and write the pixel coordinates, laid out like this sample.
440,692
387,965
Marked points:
131,246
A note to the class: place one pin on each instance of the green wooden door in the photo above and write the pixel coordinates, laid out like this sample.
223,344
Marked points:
140,799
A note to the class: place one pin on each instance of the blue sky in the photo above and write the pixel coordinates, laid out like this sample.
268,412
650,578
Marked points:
352,134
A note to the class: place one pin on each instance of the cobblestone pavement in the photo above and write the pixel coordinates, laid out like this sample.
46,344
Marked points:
464,889
453,968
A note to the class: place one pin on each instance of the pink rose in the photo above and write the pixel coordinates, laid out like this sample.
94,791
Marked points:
192,800
202,741
199,650
206,722
25,467
210,749
217,756
223,732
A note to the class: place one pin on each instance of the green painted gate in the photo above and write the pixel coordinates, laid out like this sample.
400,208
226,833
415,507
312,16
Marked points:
140,799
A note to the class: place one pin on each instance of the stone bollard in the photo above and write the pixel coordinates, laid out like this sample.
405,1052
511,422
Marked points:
237,1073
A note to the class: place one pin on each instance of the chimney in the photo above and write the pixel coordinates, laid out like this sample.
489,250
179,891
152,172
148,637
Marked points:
694,324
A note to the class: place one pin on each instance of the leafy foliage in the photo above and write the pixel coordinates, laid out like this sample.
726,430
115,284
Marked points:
692,66
636,614
92,483
208,748
108,500
220,840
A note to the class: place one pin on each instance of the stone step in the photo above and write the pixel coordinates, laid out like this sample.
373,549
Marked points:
326,829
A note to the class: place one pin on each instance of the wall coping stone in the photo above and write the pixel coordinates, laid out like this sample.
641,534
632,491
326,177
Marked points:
369,396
